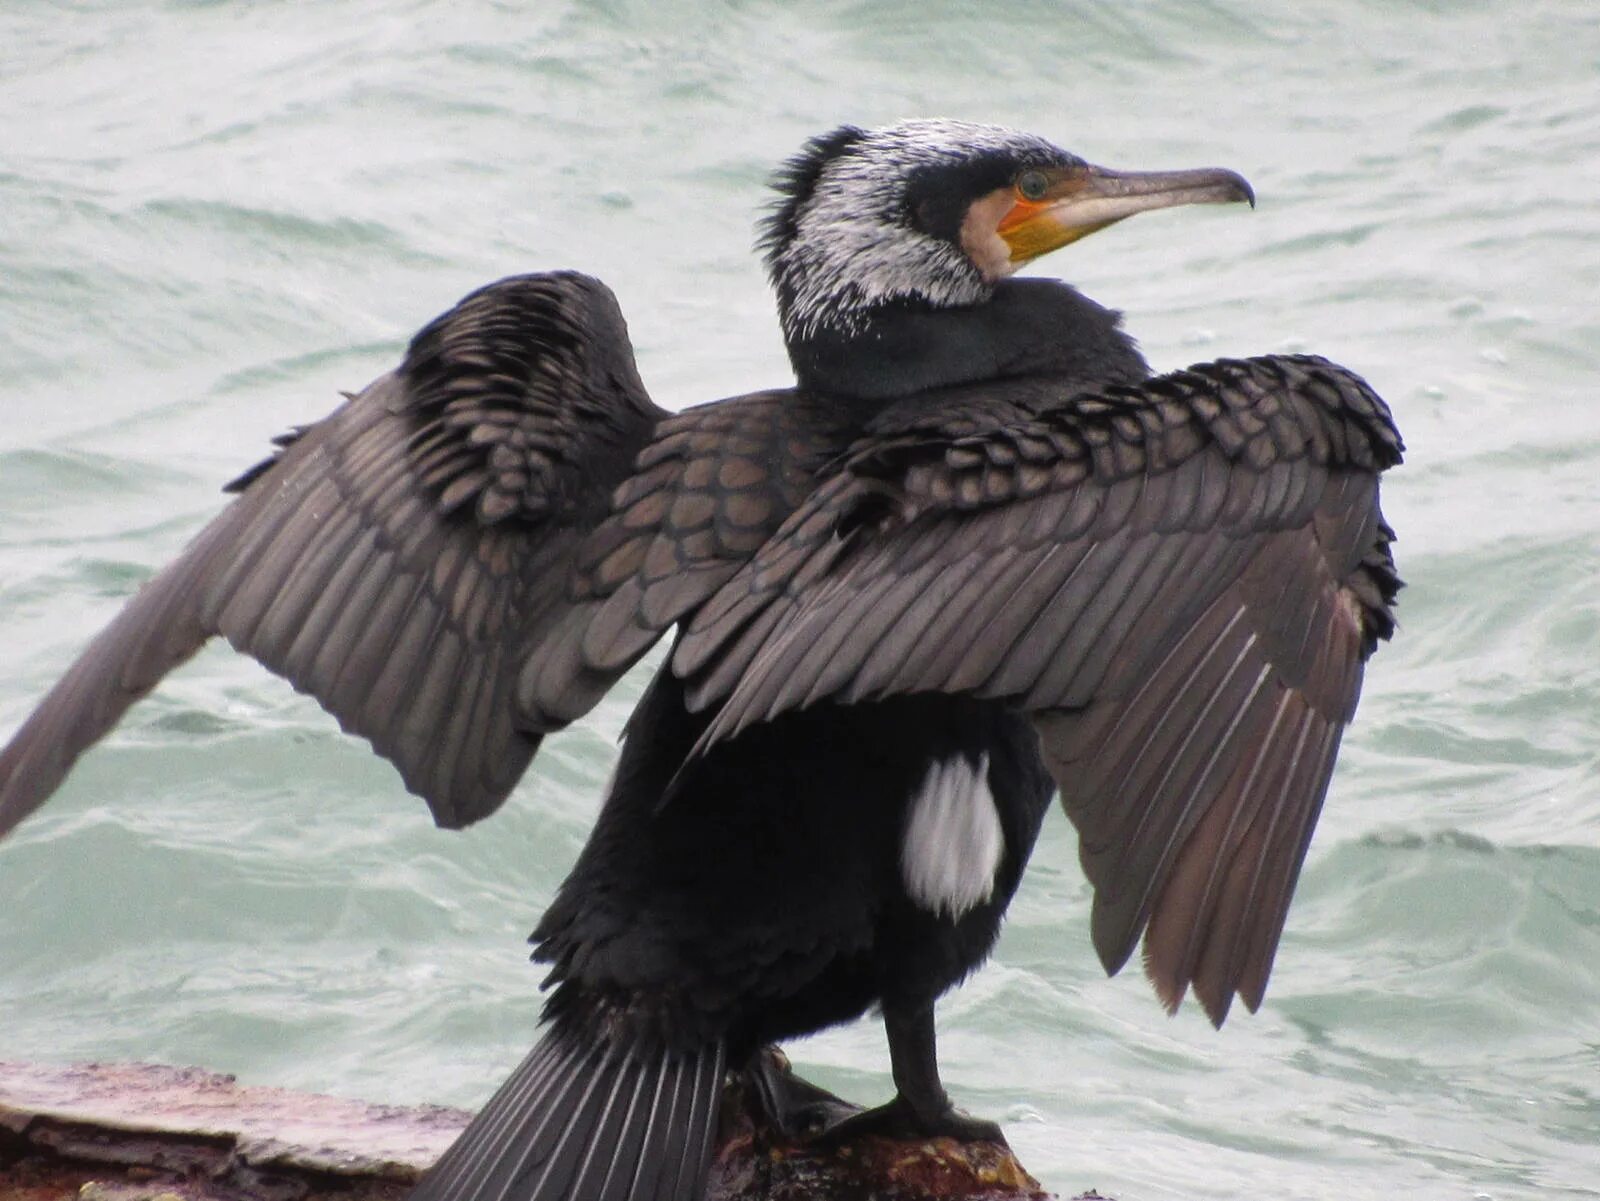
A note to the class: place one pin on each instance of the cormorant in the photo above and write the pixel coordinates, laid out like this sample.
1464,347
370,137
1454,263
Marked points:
978,552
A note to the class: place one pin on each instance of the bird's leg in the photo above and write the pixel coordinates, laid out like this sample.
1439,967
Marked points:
795,1107
921,1108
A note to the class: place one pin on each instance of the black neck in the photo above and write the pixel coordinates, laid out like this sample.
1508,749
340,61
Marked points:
1029,327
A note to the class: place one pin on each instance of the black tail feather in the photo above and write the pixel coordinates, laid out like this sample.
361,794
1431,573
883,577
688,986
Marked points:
589,1120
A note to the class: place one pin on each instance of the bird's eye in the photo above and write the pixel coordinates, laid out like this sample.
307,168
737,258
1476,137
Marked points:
1032,185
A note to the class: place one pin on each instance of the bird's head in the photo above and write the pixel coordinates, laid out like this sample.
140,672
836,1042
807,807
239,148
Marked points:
936,212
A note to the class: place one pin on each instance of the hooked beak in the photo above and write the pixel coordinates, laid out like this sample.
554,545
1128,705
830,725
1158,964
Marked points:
1082,199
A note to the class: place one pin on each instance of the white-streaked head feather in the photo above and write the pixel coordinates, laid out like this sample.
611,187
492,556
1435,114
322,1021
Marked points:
849,243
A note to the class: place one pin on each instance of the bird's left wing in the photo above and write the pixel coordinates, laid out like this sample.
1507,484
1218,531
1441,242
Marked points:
400,559
1178,581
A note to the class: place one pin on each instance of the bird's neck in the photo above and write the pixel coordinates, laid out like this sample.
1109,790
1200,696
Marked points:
1028,327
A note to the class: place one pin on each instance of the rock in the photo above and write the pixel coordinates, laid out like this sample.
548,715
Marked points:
754,1161
134,1132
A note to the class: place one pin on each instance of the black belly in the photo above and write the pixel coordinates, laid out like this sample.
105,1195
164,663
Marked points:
766,899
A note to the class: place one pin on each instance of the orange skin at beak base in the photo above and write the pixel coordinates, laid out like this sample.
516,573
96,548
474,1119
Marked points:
1080,200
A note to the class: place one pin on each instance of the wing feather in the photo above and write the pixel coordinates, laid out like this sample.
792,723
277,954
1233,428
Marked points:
1008,572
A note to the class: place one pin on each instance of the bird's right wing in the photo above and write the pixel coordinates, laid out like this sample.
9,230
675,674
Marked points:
402,558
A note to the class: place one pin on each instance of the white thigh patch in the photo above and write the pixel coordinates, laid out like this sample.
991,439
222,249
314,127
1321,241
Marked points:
953,840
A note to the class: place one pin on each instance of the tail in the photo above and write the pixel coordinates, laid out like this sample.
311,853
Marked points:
589,1120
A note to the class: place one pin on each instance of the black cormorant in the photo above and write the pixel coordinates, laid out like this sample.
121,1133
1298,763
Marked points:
976,554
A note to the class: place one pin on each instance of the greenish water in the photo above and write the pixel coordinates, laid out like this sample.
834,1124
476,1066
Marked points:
213,216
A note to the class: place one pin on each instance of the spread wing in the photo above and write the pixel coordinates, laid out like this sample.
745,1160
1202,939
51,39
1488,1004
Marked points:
400,559
1179,581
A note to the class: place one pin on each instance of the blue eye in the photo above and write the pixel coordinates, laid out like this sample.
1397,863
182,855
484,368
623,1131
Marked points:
1032,185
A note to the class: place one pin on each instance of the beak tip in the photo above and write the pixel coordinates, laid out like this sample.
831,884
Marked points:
1245,192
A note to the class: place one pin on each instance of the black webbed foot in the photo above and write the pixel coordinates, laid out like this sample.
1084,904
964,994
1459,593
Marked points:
796,1108
900,1119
